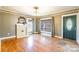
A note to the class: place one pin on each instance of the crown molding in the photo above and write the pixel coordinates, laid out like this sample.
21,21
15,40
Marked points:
62,13
14,12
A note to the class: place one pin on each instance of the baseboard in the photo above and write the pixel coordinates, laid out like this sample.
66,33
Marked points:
12,37
58,37
35,33
46,33
7,37
21,36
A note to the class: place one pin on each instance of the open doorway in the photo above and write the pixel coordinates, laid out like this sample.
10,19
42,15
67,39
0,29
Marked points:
29,26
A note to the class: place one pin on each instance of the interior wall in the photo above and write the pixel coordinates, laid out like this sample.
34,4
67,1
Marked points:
57,20
0,25
36,25
77,28
8,22
58,24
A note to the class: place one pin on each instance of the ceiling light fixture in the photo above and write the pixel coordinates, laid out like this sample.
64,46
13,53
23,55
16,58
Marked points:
36,10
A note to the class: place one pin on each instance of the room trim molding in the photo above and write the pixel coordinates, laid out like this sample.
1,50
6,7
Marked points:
46,33
7,37
46,18
58,37
14,12
12,37
35,33
71,11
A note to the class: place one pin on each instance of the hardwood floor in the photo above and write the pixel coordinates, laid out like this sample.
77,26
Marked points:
0,45
38,43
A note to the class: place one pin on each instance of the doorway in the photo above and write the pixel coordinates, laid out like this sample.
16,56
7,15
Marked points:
69,27
29,26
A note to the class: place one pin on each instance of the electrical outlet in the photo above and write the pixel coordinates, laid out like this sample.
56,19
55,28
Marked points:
8,33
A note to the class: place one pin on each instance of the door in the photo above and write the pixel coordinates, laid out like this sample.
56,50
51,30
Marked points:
69,27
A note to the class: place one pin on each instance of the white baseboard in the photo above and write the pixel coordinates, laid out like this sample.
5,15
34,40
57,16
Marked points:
58,37
46,33
35,32
21,36
12,37
7,37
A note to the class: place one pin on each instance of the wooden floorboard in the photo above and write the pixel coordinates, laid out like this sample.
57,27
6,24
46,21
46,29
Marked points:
37,43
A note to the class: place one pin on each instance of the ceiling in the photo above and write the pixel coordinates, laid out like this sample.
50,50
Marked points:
42,11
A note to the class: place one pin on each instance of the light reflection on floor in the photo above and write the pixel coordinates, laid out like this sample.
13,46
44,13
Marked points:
30,42
39,43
